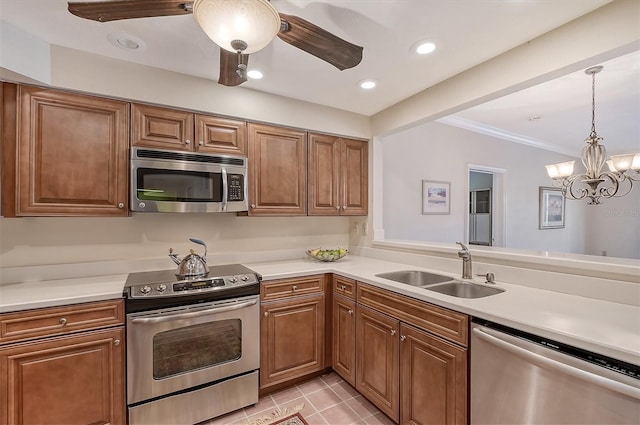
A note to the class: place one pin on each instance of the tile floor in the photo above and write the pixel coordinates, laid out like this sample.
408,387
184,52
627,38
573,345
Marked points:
328,400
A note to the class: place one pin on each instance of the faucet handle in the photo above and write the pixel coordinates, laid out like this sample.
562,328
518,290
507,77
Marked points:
464,252
490,277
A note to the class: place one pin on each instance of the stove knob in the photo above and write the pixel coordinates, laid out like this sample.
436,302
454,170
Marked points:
233,279
145,290
161,288
245,278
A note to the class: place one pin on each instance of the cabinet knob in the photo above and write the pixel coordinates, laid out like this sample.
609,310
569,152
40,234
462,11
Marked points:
343,287
186,142
253,205
266,314
116,342
201,143
344,207
393,331
350,311
121,205
338,207
403,337
63,321
294,288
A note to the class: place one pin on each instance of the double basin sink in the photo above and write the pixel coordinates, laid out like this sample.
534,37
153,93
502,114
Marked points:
442,284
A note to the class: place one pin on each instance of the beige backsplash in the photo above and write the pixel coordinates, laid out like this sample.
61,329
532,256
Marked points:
59,240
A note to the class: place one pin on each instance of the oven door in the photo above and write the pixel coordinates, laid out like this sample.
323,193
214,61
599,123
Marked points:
174,349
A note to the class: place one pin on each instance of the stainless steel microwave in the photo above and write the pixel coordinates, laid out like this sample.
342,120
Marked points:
174,181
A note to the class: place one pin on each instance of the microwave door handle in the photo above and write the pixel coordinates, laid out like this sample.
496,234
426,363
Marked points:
225,191
214,310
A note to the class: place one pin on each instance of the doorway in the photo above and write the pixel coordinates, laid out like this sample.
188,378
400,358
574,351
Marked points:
485,215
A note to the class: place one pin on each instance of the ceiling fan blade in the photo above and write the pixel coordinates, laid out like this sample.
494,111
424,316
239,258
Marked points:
229,66
319,42
104,11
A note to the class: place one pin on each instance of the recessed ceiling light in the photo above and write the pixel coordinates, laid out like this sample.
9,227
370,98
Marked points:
126,41
424,47
367,84
255,74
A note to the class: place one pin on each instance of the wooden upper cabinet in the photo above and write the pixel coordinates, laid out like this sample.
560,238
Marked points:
221,135
338,176
163,128
166,128
73,154
277,170
355,177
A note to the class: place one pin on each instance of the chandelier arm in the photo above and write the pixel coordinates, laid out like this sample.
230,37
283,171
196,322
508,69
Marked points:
618,180
570,191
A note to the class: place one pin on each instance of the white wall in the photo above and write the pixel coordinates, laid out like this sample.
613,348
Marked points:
59,240
436,151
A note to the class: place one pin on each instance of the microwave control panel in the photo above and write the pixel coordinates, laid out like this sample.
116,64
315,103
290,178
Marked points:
235,187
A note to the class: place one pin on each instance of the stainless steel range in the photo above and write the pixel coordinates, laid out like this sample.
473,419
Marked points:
192,345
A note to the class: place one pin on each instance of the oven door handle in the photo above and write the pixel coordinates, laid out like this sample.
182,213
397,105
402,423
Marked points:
214,310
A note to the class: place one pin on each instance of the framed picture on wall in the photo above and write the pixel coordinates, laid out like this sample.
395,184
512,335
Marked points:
436,197
551,205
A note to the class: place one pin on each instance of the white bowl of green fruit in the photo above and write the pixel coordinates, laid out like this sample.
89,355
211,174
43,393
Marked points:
327,254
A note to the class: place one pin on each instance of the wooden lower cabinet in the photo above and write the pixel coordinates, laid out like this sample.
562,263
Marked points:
433,379
377,365
344,338
292,338
72,380
412,375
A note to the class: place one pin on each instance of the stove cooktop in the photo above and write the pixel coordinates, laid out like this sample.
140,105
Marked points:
156,289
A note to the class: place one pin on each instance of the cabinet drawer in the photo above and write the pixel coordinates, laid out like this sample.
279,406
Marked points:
343,286
44,322
285,288
446,323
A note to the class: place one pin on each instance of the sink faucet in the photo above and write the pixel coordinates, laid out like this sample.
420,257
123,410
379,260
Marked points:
466,261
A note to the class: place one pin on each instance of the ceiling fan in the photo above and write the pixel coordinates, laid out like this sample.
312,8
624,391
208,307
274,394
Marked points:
259,22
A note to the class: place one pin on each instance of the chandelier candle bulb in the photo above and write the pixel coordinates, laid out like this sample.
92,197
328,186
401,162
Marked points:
622,163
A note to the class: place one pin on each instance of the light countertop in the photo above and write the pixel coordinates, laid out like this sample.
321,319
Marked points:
604,327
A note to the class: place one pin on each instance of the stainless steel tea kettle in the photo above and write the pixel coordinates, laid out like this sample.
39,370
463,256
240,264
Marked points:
192,265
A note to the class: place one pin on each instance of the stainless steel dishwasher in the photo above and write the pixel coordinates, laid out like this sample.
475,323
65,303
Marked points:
519,378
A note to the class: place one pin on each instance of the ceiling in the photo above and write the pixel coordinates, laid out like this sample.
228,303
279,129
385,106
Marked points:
466,32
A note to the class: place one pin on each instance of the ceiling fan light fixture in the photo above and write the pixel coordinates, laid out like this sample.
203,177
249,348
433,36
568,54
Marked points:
254,22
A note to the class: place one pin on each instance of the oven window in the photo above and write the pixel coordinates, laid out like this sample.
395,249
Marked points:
195,347
178,186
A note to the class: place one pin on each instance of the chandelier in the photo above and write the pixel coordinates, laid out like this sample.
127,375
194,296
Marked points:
596,184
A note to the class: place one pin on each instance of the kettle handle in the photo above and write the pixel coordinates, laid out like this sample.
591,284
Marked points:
200,242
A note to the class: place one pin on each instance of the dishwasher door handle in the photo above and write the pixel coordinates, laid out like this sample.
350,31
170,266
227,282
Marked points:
488,336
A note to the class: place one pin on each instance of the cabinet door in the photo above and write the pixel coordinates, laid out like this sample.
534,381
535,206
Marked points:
72,154
344,338
292,339
73,380
377,370
433,379
163,128
324,175
355,183
221,135
277,170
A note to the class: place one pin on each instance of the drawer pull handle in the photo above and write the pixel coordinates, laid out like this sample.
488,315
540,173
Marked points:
294,288
63,321
116,342
393,331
